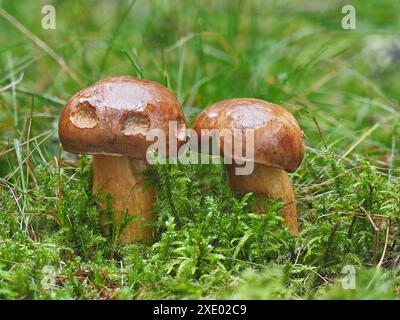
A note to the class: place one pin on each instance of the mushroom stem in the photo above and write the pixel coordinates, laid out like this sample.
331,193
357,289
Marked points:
123,178
271,182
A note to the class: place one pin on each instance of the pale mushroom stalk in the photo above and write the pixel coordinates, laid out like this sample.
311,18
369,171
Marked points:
124,178
271,182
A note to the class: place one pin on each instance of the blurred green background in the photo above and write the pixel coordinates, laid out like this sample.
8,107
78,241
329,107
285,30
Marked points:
288,52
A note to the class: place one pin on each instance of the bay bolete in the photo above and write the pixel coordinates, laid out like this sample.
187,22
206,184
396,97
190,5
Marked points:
278,148
110,120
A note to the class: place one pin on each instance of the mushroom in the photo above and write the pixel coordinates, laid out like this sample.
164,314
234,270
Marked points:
110,120
278,147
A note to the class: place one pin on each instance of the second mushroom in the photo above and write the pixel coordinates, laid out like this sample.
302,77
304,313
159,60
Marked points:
278,148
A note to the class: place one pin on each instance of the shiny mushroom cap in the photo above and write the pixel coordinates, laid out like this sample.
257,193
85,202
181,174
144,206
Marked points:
114,115
278,139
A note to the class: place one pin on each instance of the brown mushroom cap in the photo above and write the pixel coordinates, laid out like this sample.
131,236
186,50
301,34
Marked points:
114,115
278,139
